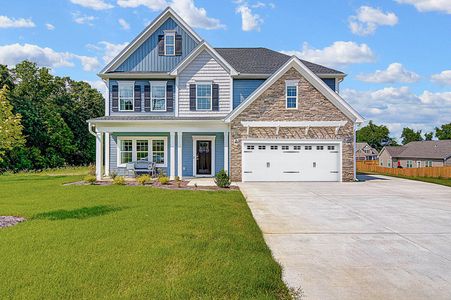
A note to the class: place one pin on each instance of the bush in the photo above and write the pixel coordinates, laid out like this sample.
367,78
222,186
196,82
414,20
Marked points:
143,179
177,178
222,179
92,170
163,179
119,180
113,174
90,179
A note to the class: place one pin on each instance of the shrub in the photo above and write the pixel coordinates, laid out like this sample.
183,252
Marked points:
92,170
119,180
222,179
143,179
177,178
90,179
113,174
163,179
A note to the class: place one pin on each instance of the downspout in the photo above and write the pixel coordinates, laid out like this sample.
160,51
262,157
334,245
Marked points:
355,149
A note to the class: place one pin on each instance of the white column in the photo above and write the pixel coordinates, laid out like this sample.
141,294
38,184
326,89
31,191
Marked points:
172,144
107,154
179,155
99,155
226,151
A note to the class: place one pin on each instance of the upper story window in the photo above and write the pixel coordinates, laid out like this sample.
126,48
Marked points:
126,94
203,96
291,93
169,43
158,96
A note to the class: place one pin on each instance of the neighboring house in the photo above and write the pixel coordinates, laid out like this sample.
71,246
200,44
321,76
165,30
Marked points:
256,113
417,155
365,152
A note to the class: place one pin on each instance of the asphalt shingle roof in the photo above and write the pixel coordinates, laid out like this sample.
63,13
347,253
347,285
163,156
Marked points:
427,149
150,118
264,61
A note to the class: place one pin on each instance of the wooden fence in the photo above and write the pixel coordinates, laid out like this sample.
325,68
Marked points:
435,172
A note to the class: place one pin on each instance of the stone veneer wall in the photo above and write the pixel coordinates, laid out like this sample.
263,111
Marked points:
312,106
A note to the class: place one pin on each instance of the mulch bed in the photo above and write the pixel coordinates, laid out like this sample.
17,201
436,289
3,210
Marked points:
7,221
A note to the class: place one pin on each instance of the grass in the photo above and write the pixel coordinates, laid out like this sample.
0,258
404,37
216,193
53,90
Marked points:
110,242
441,181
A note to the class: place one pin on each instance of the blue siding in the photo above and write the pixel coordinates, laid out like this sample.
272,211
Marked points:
243,88
142,83
187,149
330,82
146,58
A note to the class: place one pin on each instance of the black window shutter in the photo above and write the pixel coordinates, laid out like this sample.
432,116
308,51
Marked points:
215,96
137,98
147,98
115,98
161,45
192,97
178,44
169,98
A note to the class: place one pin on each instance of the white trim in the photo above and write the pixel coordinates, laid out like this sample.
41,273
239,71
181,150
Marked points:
226,151
320,85
293,123
149,150
211,95
158,83
166,34
172,155
125,83
107,153
146,33
141,75
212,139
198,50
176,97
305,141
107,99
231,94
99,155
180,154
290,83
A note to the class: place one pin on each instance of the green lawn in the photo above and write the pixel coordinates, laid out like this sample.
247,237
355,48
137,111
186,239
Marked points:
110,242
441,181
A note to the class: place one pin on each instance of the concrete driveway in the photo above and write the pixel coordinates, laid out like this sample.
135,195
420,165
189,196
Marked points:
384,238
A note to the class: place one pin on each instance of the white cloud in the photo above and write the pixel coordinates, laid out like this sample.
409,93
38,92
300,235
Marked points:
83,19
399,107
429,5
395,72
194,16
340,53
249,21
124,24
108,50
98,85
7,22
43,56
94,4
367,19
50,26
443,78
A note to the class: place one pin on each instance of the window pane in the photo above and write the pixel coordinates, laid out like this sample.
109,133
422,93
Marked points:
158,151
142,145
203,90
203,103
158,97
291,91
158,91
291,102
158,104
126,145
126,157
169,39
126,91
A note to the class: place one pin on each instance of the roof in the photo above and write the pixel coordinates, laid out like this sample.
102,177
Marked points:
394,151
264,61
151,118
360,146
427,149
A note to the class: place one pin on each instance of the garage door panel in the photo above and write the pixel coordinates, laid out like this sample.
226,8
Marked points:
290,162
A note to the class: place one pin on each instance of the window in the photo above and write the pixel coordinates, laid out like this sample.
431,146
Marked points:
250,147
429,163
389,163
418,164
330,147
126,151
308,147
409,164
169,43
381,163
203,96
142,149
158,96
274,147
292,95
319,147
285,147
126,94
261,147
158,151
297,147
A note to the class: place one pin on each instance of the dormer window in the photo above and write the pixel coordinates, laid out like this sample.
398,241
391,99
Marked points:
169,43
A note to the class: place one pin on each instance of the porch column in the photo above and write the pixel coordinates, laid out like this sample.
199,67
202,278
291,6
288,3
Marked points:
172,159
179,155
107,154
99,155
226,152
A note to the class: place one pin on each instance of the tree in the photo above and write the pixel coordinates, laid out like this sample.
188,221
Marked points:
428,136
376,136
10,127
409,135
444,132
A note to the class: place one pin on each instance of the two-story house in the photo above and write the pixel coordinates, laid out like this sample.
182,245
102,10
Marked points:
194,110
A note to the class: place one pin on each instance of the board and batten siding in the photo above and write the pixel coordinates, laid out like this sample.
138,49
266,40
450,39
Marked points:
204,68
146,58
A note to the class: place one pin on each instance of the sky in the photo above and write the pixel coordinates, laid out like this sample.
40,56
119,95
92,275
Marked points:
396,53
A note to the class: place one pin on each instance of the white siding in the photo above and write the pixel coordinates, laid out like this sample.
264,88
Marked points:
204,68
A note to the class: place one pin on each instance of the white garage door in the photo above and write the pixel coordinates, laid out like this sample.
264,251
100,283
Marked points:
270,161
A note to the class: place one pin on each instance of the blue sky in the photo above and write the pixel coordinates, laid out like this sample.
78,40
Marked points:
397,54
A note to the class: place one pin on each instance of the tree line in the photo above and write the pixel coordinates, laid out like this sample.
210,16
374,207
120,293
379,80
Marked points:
378,136
43,119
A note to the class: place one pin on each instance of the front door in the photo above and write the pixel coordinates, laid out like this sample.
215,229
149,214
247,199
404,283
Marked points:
203,158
